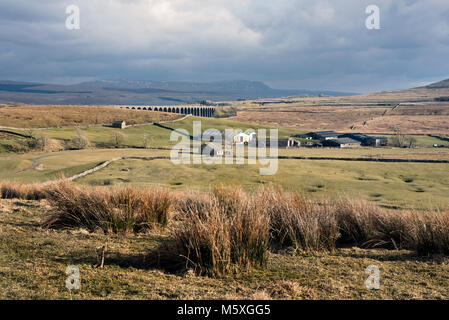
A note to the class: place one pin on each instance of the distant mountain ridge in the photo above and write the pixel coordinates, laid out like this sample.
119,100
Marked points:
140,92
439,85
235,86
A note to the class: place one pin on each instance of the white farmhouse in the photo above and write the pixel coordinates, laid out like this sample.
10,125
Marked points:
244,137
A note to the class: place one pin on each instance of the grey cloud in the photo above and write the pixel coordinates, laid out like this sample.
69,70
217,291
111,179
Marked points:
310,44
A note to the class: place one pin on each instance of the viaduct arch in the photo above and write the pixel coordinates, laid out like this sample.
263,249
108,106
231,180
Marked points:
199,111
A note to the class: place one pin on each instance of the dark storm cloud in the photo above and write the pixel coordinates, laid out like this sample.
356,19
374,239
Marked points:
310,44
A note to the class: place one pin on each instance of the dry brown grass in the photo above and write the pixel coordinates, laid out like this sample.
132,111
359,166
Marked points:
310,118
221,233
113,210
9,190
351,119
228,230
413,124
299,222
29,116
418,113
429,233
367,225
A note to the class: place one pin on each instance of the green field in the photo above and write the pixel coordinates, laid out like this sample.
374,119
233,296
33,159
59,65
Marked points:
52,165
158,136
402,185
423,140
397,185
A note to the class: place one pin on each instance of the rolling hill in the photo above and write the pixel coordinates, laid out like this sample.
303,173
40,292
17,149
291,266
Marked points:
122,92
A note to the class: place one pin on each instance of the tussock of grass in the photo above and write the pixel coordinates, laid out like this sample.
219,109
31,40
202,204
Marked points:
227,230
10,190
298,222
222,233
112,210
367,225
429,233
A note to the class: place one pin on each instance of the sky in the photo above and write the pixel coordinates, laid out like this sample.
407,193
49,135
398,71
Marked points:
288,44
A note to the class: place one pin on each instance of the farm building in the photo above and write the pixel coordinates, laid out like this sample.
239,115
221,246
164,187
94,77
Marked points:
381,141
285,143
119,124
244,137
324,135
303,136
280,143
342,143
366,140
293,143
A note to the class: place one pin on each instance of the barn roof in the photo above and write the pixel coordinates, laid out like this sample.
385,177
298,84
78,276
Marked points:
346,141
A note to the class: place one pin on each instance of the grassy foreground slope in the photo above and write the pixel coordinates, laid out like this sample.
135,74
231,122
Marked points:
33,263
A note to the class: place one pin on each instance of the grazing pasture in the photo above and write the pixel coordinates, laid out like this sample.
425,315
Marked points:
29,116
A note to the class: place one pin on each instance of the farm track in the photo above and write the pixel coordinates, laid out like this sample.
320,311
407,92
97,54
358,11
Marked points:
34,165
103,165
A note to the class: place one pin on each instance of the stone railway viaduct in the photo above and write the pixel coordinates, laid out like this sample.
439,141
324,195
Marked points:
193,110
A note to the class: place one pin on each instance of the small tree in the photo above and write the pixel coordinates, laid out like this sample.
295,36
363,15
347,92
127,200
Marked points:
42,142
411,141
30,133
79,140
399,138
117,138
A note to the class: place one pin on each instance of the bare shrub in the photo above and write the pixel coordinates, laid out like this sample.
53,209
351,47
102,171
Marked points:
42,142
117,138
79,141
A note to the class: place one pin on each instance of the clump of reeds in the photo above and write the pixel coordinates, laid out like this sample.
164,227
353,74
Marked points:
367,225
220,234
11,190
113,210
299,222
428,232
